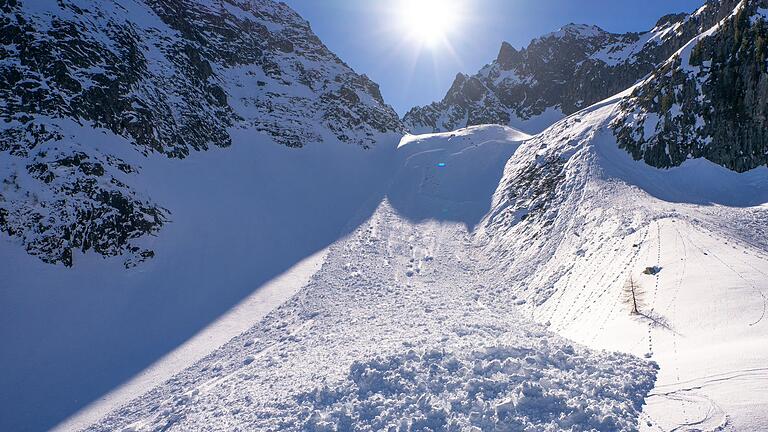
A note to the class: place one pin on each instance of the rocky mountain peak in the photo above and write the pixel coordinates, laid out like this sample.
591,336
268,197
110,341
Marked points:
562,72
508,56
670,19
465,89
576,31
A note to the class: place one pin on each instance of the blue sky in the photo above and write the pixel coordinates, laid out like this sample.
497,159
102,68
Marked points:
365,34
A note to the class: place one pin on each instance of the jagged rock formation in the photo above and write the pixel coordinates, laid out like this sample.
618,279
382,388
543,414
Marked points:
169,77
559,74
709,100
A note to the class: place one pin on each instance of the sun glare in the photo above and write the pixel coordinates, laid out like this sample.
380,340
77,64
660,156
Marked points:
429,22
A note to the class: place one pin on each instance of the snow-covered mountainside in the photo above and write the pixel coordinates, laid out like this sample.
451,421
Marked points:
427,313
560,73
166,77
408,305
708,100
575,218
160,161
397,330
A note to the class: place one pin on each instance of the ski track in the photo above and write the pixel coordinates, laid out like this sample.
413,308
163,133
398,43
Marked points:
700,411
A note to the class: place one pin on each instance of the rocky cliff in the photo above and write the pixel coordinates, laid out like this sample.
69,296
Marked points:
709,100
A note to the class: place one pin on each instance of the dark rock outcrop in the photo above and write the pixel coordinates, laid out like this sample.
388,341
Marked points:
709,101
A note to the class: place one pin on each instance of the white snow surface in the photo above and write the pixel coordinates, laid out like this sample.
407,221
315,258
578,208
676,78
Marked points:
393,333
425,316
240,318
702,316
241,216
389,334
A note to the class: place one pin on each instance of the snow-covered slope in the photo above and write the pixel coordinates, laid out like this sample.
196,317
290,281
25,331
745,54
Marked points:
452,175
240,216
159,162
393,332
427,313
575,217
455,263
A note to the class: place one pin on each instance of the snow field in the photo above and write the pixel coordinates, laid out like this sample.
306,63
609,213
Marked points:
366,343
424,316
394,332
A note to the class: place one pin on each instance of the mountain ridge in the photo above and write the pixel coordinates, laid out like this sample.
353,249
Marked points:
560,73
708,100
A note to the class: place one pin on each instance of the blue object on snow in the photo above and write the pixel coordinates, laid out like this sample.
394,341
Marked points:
441,165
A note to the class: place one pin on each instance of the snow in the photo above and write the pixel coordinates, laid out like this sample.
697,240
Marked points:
452,175
704,323
622,52
651,124
761,13
501,76
240,216
537,123
701,10
704,226
576,30
399,305
240,318
403,349
425,283
425,312
481,133
492,388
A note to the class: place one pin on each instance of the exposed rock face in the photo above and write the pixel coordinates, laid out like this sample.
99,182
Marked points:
559,73
167,76
709,100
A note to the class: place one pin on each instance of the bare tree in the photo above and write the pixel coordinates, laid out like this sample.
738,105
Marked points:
633,294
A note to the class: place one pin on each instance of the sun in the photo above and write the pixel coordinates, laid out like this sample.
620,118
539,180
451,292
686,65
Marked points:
429,22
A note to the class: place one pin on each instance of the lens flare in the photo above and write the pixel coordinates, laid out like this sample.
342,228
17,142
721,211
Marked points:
429,22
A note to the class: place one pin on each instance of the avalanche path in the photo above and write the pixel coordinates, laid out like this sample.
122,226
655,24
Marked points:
393,332
425,315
